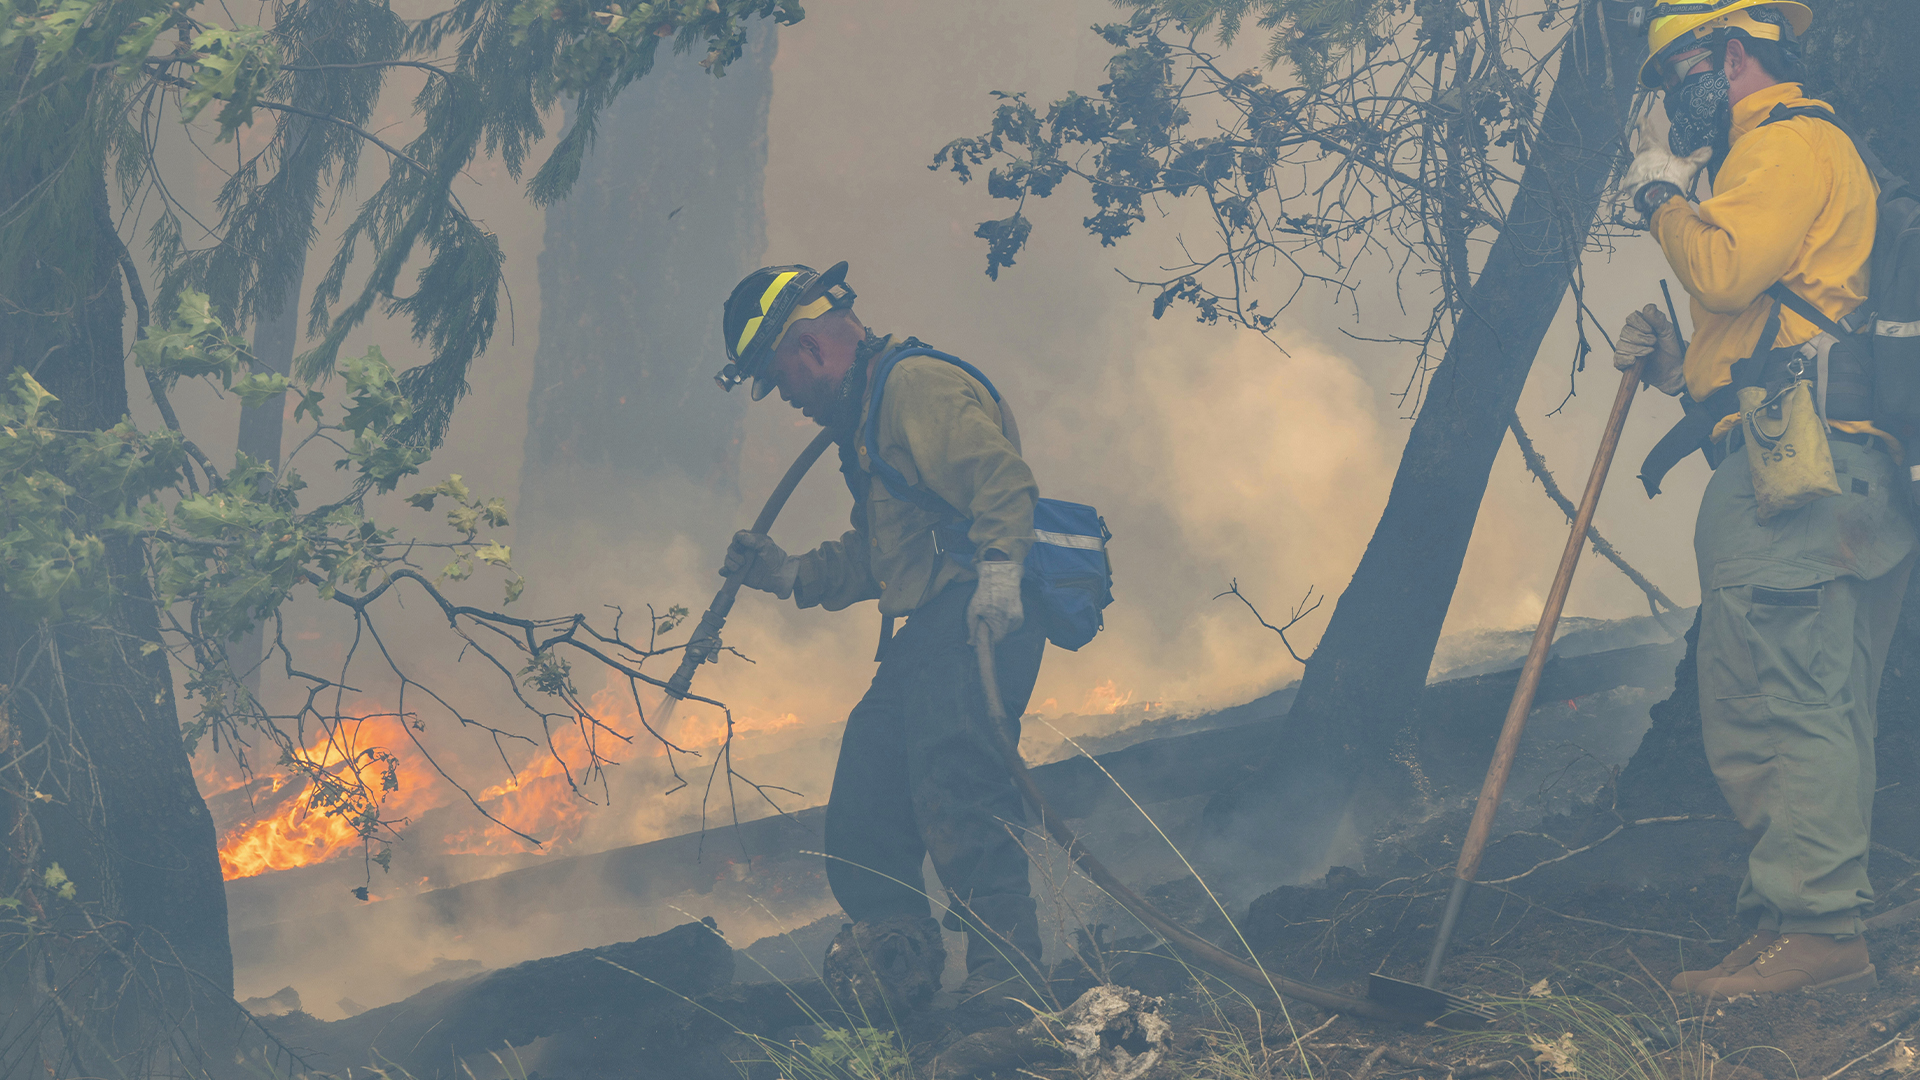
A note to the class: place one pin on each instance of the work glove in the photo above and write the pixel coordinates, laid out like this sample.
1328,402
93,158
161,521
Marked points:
1657,173
1649,333
996,601
767,567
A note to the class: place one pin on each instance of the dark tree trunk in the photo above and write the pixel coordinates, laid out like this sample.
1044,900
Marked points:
274,340
666,218
96,775
1363,683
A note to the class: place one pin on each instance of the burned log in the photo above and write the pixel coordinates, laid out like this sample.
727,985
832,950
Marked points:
640,991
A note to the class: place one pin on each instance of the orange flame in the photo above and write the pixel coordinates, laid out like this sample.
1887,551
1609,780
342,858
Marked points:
1106,699
540,798
297,830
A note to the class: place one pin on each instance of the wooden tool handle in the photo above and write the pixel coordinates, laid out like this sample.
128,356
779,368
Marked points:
1522,704
705,641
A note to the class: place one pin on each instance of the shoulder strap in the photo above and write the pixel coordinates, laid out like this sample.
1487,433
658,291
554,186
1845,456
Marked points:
894,479
1891,184
1804,308
1888,182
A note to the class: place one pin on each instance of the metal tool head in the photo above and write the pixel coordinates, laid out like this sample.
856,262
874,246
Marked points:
1424,1004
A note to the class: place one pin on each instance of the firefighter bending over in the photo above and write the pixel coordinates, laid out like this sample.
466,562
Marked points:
917,774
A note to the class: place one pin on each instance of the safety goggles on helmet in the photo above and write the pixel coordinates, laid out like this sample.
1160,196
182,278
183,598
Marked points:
1678,27
1681,64
763,306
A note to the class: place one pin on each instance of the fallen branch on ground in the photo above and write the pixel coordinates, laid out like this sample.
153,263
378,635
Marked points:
1538,466
1862,1058
1617,830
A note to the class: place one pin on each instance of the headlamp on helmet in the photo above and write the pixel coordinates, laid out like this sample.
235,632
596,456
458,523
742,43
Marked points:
763,306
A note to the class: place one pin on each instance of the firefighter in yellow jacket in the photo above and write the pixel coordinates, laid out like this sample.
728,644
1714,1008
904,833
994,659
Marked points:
918,774
1796,609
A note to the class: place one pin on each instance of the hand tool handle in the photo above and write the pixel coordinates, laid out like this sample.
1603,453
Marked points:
1673,313
705,642
1522,704
1495,785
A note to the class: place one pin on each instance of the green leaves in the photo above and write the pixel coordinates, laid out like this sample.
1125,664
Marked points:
52,29
56,880
548,674
133,49
59,492
376,410
258,388
469,514
233,67
193,343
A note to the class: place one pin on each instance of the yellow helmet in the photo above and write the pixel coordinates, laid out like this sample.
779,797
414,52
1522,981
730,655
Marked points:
1680,25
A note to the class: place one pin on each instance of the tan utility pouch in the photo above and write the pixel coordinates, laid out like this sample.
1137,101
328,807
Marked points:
1787,448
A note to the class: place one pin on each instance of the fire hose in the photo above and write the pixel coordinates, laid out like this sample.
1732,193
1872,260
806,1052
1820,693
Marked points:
704,645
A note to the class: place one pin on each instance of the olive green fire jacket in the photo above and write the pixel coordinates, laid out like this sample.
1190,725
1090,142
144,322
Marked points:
941,428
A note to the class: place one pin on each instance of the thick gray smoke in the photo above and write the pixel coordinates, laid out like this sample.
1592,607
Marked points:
1214,454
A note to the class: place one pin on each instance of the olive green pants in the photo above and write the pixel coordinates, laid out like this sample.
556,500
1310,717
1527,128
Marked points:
1795,618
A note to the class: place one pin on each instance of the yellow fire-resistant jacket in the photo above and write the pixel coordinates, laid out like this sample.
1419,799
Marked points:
1793,203
941,428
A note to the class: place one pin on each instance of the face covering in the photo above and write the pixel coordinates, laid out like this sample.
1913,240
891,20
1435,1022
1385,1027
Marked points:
1700,110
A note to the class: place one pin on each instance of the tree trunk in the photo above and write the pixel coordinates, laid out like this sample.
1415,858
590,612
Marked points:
1363,682
95,776
629,443
275,339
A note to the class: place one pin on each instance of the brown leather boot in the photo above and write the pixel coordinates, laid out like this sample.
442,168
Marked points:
1688,981
1800,962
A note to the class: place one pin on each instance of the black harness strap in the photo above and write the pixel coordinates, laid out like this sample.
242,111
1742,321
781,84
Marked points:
1695,430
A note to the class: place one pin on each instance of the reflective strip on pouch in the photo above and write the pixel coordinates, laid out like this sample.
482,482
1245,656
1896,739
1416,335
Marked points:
1070,540
1883,328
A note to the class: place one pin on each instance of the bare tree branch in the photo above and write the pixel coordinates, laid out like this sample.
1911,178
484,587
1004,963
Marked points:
1300,611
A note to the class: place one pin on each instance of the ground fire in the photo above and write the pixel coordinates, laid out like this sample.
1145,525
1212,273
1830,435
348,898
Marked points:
871,540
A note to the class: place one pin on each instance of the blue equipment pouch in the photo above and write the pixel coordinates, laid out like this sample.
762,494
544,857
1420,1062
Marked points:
1067,566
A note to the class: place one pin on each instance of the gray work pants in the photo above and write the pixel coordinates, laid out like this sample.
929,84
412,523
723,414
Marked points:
918,774
1795,618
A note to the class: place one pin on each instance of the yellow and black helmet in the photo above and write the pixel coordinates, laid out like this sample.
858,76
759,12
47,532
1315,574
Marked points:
1678,27
761,308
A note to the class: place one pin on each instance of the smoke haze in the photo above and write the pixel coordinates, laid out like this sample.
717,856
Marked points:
1214,454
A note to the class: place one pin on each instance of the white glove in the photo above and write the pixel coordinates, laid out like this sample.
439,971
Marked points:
1655,164
996,600
1649,333
767,567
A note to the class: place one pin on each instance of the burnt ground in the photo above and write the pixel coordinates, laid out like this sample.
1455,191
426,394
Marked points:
1591,904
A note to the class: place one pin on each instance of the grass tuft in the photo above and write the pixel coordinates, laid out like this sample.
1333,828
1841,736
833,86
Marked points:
841,1054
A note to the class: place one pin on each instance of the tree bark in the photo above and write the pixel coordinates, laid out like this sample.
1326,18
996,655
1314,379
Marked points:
96,775
1363,683
667,216
274,340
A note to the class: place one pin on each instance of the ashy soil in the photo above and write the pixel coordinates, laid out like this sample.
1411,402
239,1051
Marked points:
1596,908
1580,920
